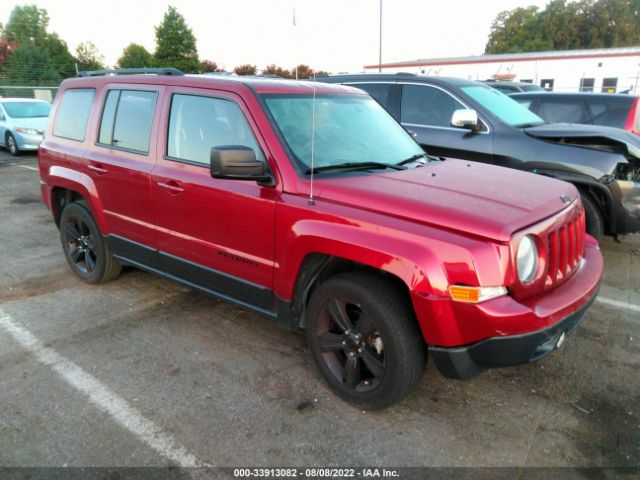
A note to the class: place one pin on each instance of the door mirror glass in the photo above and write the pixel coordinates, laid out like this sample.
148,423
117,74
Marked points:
237,162
466,118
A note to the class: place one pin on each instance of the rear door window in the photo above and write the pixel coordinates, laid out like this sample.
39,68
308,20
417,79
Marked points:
379,91
127,118
426,105
73,113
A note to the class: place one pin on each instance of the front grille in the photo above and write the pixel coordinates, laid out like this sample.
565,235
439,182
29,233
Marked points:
565,249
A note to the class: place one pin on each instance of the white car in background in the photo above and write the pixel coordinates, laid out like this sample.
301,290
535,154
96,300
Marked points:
22,123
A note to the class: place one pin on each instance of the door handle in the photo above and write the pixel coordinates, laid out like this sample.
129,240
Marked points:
171,185
98,168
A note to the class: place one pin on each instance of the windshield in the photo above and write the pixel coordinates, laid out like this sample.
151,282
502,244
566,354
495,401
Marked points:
502,106
348,129
27,109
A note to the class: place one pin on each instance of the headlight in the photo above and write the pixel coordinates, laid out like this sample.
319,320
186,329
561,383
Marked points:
527,259
28,131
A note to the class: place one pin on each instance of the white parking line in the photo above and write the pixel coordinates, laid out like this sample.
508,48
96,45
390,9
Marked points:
107,401
25,166
617,304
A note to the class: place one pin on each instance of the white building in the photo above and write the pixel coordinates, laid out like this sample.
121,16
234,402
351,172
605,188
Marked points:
600,70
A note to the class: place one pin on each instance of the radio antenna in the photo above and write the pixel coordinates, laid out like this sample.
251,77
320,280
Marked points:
313,140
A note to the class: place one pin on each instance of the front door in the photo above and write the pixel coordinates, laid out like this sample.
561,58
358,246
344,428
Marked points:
426,113
217,234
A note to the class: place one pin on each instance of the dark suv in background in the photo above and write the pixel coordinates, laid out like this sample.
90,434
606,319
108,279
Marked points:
453,117
606,109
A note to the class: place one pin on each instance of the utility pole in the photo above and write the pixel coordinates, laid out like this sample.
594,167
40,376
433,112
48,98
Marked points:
380,47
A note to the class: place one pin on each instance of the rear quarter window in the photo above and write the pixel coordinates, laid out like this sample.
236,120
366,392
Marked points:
73,113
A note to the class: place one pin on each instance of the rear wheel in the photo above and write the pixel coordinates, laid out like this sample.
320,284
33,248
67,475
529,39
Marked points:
364,339
88,255
12,145
593,216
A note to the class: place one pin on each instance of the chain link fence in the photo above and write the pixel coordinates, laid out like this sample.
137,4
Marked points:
47,93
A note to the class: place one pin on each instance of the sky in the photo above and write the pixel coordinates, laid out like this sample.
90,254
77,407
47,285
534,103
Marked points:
332,35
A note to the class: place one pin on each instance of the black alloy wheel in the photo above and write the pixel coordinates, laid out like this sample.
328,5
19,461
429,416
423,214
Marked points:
87,253
364,338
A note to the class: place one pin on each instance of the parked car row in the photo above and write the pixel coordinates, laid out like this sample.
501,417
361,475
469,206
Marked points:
308,203
452,117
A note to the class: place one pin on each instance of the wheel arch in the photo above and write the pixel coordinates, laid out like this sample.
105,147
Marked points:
68,186
318,267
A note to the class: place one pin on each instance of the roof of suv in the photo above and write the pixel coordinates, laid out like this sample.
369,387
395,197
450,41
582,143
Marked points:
256,84
398,77
607,97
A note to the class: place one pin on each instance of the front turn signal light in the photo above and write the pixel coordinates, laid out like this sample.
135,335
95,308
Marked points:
463,293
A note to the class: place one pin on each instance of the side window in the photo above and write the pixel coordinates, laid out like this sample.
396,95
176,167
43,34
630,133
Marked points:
554,111
609,114
197,124
424,105
379,91
73,114
126,119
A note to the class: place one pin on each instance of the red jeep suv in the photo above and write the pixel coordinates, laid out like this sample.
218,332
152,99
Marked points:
307,203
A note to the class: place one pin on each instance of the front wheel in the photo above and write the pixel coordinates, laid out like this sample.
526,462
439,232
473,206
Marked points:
12,145
88,255
364,339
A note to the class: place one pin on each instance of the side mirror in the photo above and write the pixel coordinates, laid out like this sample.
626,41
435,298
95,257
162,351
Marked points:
466,118
237,162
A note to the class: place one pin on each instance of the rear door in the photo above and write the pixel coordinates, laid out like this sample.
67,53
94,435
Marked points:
426,110
120,165
215,233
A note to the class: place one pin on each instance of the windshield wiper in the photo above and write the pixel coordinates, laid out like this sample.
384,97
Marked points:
354,166
413,158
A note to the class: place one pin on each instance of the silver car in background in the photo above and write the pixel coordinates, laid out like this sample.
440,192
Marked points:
22,123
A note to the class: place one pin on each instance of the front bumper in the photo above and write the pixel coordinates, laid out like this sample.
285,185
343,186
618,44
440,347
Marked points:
467,362
465,339
27,141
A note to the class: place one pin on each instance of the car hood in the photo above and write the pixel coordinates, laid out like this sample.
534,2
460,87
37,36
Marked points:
589,136
476,198
39,123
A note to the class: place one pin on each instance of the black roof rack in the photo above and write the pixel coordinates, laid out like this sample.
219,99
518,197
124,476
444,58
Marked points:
131,71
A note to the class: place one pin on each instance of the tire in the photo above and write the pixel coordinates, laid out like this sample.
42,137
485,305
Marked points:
88,255
11,145
364,339
593,216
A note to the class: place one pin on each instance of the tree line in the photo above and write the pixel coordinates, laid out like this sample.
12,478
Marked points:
566,25
31,55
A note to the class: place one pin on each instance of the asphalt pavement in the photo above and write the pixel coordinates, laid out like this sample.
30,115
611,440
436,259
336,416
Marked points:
143,372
